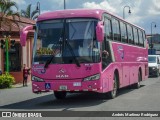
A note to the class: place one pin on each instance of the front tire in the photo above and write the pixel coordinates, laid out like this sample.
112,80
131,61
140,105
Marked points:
60,94
112,94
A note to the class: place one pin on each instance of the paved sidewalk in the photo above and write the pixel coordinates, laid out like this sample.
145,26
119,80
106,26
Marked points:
20,85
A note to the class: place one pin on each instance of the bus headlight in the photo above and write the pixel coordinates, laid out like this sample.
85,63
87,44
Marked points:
93,77
37,79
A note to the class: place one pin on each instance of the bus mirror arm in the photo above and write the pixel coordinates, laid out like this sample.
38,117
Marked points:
23,34
34,27
100,31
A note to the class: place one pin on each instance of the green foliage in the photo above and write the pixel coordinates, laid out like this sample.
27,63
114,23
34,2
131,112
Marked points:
8,15
6,80
28,13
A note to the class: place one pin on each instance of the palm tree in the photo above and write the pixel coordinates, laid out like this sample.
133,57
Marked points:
28,13
6,11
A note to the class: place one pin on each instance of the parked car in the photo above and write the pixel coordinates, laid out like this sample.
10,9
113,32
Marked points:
154,65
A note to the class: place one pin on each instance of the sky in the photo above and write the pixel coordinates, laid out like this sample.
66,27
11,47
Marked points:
144,13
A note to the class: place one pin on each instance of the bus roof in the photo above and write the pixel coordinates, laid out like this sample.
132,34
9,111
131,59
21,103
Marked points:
77,13
72,13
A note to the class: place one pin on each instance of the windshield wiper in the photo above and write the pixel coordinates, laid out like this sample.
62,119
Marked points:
53,56
72,52
60,42
69,46
48,62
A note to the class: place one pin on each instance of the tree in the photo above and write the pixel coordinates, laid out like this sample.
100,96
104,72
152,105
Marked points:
28,13
6,11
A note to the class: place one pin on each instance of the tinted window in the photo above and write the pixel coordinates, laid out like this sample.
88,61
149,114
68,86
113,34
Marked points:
108,29
116,30
141,40
123,32
135,36
130,34
144,39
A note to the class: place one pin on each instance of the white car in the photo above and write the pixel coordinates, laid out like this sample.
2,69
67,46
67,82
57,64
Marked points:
154,65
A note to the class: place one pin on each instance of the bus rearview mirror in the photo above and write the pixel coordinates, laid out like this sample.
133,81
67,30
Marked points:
100,31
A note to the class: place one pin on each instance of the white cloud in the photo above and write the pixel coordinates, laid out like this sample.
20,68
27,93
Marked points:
143,12
44,11
60,3
116,6
157,3
153,12
19,2
102,5
155,8
134,19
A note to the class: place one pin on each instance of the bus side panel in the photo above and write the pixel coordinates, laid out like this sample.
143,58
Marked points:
133,73
108,75
132,58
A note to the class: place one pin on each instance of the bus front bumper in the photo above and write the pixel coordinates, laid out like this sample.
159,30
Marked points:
75,86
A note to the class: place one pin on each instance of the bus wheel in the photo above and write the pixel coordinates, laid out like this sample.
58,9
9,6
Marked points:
112,94
60,94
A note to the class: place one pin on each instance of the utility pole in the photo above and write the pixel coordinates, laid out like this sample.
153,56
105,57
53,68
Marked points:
64,4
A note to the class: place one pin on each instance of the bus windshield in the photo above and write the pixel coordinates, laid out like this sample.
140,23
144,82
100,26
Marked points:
65,39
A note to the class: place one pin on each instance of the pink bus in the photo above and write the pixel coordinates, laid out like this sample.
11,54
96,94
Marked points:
86,50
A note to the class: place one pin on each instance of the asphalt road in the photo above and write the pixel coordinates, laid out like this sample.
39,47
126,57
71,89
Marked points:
146,98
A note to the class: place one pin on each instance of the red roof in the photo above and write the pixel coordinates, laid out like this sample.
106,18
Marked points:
21,21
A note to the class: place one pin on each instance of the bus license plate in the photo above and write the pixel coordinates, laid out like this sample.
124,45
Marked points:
63,87
75,84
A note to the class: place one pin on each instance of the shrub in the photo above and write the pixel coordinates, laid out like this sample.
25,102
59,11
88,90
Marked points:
6,80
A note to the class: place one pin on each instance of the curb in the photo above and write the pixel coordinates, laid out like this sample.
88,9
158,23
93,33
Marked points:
18,85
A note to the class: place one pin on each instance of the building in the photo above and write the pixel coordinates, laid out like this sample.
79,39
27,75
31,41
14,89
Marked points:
155,40
18,55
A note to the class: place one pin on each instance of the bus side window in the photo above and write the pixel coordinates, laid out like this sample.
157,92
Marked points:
123,32
108,29
144,39
141,41
116,30
136,36
130,34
